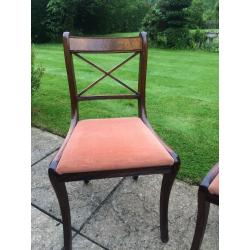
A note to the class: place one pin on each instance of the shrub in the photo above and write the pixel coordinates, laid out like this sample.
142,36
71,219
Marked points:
177,38
199,39
36,74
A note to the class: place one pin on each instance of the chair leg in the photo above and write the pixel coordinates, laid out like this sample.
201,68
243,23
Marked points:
167,183
201,222
62,196
135,177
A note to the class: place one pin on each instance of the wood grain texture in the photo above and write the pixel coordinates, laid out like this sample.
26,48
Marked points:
104,44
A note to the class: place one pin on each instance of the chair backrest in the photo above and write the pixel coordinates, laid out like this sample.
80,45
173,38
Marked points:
78,45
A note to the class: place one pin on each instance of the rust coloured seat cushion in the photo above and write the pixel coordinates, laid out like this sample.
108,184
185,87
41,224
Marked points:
214,186
112,144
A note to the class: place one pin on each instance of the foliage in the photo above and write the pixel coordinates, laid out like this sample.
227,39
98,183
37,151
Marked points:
166,23
195,15
36,73
151,22
174,14
211,16
38,20
209,4
174,38
127,15
212,47
216,10
59,17
198,38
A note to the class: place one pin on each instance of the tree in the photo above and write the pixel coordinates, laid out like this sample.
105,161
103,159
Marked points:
195,14
211,15
168,22
38,20
216,10
60,15
151,22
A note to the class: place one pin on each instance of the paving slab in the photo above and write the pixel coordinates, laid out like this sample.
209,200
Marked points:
43,143
130,218
84,199
47,233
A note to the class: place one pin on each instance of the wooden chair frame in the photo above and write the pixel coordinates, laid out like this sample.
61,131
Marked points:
138,46
204,200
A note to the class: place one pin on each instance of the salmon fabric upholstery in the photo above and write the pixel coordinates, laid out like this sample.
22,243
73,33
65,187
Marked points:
214,186
110,144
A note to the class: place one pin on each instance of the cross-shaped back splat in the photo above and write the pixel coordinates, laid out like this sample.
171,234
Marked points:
106,73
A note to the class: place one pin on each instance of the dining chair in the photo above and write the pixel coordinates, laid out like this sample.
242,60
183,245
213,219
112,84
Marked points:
208,192
110,147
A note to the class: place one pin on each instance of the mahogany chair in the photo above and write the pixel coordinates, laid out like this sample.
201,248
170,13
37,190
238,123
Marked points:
208,193
111,147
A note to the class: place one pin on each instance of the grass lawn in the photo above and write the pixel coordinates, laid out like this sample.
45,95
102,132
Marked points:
182,99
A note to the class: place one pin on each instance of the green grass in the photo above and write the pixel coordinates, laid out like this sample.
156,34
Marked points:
182,99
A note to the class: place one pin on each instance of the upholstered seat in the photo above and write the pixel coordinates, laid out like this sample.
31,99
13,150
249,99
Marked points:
112,143
214,186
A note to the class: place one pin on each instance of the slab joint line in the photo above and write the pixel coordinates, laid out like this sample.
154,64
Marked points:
100,205
73,229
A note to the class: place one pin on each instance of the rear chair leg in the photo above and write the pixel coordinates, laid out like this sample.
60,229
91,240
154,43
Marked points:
167,183
201,222
62,196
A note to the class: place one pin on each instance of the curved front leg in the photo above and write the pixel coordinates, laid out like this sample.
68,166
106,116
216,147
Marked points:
167,183
62,196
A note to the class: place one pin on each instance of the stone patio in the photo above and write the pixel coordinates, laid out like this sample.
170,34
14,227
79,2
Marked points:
117,213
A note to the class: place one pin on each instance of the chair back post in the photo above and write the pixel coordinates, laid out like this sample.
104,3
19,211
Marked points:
71,77
142,77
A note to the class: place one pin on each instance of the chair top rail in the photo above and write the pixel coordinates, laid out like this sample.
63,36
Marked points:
105,44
